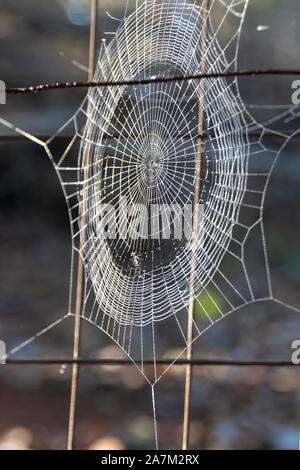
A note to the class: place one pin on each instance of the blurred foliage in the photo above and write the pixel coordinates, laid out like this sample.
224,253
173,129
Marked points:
210,303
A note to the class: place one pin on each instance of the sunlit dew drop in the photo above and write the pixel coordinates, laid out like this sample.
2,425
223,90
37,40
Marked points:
262,27
63,368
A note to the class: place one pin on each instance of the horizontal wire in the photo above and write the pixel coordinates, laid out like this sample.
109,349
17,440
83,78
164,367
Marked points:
66,138
148,81
178,362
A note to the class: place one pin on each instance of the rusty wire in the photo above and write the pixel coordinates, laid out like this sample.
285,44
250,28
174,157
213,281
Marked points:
148,81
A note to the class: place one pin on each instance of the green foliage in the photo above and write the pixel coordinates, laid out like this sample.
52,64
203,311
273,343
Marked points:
208,301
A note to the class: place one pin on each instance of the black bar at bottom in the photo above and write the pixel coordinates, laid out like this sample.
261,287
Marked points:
134,459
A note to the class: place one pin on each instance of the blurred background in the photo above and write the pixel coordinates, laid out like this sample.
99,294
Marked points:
232,408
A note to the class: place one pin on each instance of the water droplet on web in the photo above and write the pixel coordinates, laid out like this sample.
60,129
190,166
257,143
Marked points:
63,369
262,27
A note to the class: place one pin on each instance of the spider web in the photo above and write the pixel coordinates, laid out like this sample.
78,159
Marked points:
141,144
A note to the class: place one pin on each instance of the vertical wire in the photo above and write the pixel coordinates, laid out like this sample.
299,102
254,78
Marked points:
189,349
154,416
80,271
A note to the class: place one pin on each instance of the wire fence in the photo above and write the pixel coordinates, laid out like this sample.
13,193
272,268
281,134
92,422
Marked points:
76,361
149,81
125,362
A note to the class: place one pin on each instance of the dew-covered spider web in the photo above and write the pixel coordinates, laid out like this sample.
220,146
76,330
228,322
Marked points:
152,145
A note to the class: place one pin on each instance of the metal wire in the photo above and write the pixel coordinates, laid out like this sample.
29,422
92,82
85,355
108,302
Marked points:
126,362
200,76
80,269
190,325
66,138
